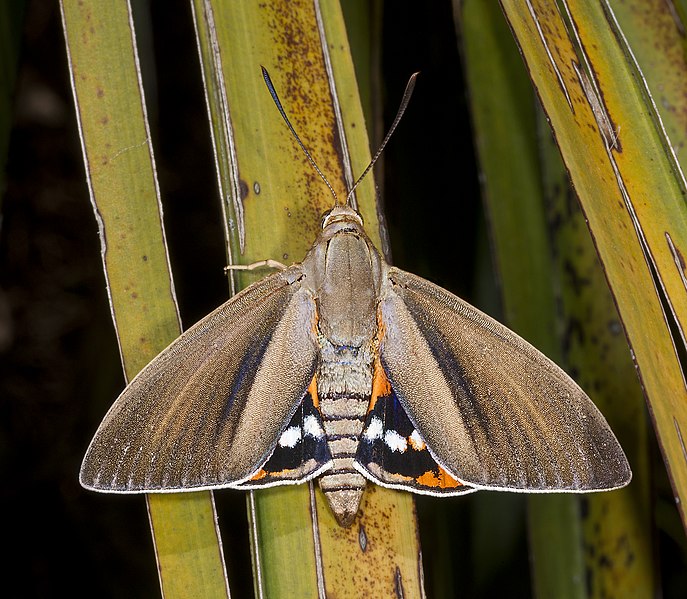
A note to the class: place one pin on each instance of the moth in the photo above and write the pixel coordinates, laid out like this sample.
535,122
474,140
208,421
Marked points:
349,370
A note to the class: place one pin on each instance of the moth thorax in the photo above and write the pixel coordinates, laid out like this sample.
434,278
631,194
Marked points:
347,296
344,384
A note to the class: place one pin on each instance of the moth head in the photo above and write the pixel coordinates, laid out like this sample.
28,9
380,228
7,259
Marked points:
341,214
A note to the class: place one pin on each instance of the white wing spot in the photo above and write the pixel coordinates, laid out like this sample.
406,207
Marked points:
290,437
395,442
416,441
312,427
374,430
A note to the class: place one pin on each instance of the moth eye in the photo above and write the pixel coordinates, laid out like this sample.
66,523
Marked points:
324,218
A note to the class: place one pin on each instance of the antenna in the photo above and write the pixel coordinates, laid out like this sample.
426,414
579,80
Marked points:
276,100
410,86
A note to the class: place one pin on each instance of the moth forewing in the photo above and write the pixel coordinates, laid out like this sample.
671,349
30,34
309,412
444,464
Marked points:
502,415
198,416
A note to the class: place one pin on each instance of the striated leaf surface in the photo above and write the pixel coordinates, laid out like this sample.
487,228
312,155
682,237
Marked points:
120,170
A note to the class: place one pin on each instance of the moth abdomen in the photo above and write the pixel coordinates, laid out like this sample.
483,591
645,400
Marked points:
344,384
342,484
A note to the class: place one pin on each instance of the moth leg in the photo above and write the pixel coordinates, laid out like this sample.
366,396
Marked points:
255,265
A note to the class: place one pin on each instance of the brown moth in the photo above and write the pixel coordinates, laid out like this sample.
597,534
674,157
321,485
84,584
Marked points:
345,368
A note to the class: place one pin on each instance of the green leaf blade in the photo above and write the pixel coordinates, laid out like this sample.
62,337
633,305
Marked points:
121,173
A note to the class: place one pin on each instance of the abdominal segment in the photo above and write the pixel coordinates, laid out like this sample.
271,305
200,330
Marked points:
344,384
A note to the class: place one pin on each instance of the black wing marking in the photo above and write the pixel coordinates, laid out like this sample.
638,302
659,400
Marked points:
301,452
392,453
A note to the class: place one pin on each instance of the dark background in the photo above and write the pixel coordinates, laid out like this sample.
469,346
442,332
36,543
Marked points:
59,363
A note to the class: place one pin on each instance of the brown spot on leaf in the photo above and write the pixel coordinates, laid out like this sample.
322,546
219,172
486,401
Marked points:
243,189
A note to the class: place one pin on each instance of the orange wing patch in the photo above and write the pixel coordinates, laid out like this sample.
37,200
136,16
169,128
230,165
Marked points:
312,389
266,477
438,478
381,387
259,475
